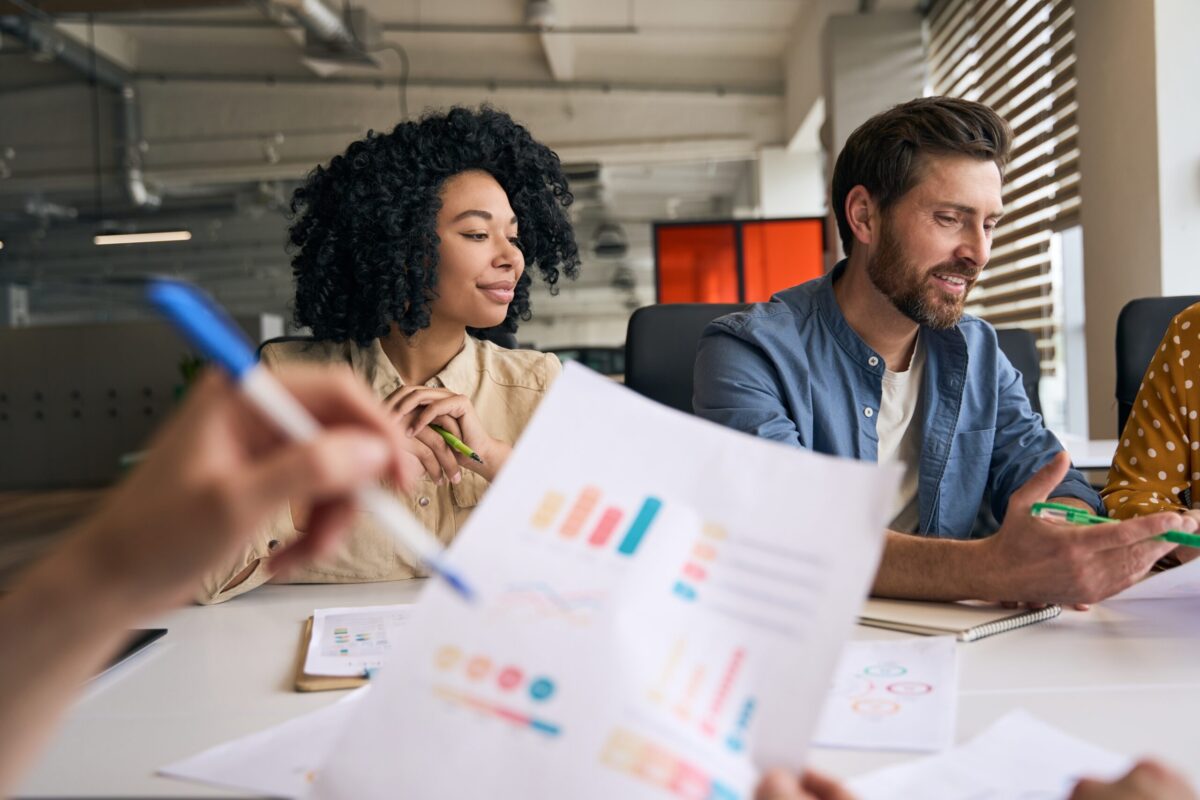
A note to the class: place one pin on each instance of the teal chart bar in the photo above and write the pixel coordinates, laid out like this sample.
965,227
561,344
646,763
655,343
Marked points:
641,523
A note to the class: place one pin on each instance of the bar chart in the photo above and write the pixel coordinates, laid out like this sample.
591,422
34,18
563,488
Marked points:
585,518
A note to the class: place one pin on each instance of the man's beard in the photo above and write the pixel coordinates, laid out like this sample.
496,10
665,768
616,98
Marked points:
909,289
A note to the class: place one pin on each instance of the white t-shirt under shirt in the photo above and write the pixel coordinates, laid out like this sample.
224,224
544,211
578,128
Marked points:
899,429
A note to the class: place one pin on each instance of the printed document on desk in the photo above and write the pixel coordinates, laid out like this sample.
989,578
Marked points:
350,641
661,603
893,695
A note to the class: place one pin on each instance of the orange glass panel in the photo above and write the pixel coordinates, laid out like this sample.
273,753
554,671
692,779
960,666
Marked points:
780,253
696,264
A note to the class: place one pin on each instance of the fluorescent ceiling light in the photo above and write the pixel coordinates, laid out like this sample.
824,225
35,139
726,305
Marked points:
149,237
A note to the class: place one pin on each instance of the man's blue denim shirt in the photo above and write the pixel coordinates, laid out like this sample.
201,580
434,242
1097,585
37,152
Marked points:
793,370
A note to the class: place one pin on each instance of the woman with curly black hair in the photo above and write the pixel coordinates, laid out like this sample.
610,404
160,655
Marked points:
405,246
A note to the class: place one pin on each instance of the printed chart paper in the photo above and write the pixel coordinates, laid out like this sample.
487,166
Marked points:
661,603
1181,581
349,641
278,762
893,695
1018,757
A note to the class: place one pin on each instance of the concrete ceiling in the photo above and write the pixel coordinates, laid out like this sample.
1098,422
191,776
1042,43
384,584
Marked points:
671,98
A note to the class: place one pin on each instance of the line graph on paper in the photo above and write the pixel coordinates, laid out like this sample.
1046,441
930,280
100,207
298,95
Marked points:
538,600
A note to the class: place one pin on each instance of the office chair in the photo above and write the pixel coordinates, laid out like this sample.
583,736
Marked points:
1021,348
1140,328
660,349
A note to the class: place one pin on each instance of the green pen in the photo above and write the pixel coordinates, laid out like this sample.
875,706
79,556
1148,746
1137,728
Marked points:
1077,516
460,446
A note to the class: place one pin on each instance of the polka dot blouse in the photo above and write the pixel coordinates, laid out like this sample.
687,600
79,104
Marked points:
1157,466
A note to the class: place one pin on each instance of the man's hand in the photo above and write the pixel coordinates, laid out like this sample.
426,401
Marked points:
1148,780
1040,561
1184,553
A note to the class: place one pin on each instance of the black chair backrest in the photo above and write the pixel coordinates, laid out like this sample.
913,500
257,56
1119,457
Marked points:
660,349
1140,328
281,339
1021,348
497,336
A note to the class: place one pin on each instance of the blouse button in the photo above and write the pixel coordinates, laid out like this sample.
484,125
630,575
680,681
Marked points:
869,412
422,502
873,361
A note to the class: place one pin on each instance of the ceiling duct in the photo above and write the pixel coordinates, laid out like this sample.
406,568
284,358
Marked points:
330,35
540,14
42,38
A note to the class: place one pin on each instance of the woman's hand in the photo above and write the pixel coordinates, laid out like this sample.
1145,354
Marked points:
780,784
1148,780
417,407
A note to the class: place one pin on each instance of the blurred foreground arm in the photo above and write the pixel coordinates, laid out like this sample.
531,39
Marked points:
214,475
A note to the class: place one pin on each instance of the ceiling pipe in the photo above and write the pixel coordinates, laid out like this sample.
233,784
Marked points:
42,38
329,33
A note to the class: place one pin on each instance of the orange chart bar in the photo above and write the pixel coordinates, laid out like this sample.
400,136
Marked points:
584,505
547,511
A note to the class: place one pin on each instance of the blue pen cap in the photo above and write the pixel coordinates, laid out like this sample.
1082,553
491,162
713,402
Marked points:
203,323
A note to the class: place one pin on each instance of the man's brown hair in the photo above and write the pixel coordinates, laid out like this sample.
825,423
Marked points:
886,153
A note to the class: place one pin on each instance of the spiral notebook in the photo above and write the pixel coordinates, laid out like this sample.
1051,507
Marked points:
966,621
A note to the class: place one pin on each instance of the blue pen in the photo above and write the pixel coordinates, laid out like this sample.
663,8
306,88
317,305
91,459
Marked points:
211,331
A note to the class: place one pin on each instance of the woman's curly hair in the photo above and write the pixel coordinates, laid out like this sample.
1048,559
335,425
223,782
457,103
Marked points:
365,226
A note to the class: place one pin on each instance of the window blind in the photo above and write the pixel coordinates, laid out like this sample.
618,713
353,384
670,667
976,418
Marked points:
1018,57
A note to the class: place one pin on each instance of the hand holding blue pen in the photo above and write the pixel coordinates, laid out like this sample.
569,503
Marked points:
211,331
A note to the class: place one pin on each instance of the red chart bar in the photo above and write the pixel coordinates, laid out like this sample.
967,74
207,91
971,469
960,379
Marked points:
588,498
605,527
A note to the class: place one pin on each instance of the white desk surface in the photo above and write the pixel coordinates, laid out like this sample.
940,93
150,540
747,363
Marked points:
1113,676
1089,453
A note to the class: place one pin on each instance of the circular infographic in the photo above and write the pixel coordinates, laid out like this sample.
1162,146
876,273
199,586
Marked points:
886,670
875,706
541,689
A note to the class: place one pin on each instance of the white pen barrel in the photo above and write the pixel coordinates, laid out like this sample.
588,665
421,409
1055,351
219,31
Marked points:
278,404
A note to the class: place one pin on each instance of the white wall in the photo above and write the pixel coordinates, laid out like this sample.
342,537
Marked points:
1177,59
871,62
1140,169
790,184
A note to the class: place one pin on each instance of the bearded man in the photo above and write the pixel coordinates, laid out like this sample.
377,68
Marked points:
877,361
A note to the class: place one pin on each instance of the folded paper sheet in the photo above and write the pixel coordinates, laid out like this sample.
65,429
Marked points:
661,605
1018,757
281,761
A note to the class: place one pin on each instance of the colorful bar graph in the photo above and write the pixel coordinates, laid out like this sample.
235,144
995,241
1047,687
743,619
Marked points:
641,523
605,527
584,505
547,511
650,762
723,688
